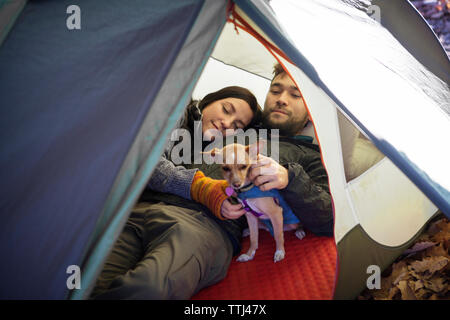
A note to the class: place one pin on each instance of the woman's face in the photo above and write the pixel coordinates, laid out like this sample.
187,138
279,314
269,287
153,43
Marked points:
228,113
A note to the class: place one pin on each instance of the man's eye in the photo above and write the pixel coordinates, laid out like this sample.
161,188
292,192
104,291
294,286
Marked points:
275,92
296,96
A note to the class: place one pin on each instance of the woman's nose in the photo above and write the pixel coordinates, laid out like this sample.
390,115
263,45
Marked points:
226,123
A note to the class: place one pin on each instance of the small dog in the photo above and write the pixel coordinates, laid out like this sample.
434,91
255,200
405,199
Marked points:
268,206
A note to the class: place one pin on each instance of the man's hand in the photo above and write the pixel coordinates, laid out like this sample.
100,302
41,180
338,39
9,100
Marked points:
267,174
231,211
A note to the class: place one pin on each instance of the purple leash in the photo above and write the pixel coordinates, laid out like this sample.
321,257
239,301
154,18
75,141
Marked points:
229,191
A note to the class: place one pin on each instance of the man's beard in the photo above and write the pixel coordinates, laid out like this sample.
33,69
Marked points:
291,127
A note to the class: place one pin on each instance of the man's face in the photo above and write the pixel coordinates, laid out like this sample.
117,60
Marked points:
284,108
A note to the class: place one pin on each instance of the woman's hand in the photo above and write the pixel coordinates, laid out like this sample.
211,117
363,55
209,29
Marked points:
267,174
231,211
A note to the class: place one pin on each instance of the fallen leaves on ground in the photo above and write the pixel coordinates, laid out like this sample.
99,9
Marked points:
422,272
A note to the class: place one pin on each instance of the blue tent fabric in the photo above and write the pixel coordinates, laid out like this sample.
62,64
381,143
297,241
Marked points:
167,107
63,127
9,11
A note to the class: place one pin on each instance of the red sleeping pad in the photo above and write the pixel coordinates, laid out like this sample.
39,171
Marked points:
307,272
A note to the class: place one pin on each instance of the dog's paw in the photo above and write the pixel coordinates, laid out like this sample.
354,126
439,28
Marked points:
300,233
244,257
279,255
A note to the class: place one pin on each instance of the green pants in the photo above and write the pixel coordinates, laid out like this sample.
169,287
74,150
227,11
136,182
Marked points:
164,252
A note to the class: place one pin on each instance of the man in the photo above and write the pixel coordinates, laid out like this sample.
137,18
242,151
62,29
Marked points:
172,247
300,175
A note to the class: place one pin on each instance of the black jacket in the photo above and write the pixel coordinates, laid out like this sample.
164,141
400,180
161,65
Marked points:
308,192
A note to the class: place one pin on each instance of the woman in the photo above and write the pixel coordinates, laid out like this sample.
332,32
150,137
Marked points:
229,108
171,246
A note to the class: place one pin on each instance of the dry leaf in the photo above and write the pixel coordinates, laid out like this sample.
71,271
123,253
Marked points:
419,276
439,225
397,269
407,292
436,284
444,237
438,250
424,237
443,224
419,246
393,292
430,264
418,285
422,294
434,227
405,275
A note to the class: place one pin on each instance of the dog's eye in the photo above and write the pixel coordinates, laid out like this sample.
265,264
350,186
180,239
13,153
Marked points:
242,167
226,169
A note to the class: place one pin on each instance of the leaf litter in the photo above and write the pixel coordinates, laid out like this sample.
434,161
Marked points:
422,272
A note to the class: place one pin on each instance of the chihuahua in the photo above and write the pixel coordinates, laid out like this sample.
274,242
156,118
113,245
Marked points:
237,160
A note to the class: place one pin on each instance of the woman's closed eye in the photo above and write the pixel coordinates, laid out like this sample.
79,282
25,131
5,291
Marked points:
238,124
225,110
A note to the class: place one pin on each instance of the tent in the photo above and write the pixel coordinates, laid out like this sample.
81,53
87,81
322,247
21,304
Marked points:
85,114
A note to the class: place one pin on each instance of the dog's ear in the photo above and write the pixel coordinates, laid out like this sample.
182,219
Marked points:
213,152
255,148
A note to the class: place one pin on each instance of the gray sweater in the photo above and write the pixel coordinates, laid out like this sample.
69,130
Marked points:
169,178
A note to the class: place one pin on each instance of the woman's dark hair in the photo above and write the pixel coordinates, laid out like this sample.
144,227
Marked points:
195,107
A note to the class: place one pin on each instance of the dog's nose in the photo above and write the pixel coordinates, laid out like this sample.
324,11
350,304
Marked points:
236,184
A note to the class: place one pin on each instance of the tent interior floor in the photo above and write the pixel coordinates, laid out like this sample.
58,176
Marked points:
307,272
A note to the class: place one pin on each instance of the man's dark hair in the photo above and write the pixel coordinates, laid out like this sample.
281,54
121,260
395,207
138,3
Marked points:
277,70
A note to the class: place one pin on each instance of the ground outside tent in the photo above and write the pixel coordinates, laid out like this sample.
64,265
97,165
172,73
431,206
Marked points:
422,272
